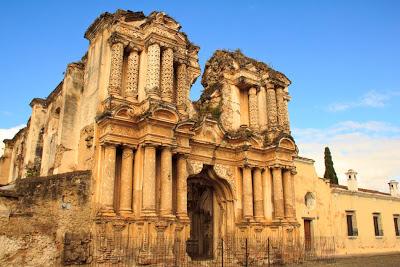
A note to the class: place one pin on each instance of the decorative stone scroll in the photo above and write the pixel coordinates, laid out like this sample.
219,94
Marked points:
194,167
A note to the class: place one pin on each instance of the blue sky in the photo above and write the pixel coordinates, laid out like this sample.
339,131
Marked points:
343,57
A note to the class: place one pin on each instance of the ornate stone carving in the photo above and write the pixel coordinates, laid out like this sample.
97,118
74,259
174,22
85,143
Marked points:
153,70
167,74
129,31
182,87
226,173
195,167
271,107
227,112
117,54
286,124
132,75
280,107
253,109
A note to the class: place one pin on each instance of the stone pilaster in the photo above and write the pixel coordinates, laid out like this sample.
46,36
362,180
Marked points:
288,194
149,181
271,107
108,180
278,193
166,182
181,199
253,109
117,57
286,126
247,194
167,74
126,181
153,70
182,88
132,75
280,107
258,195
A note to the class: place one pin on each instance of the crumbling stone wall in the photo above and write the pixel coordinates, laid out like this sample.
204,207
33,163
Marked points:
44,217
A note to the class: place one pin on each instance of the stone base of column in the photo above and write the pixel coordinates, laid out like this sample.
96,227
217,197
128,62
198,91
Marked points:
183,217
148,214
107,212
259,218
167,216
126,213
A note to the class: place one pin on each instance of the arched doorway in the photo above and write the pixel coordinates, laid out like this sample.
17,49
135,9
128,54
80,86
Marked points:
210,209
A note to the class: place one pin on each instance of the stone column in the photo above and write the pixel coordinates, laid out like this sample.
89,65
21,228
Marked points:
182,90
153,71
288,194
258,195
278,193
166,182
286,126
167,74
117,57
280,107
267,194
271,107
108,179
149,181
126,181
253,109
181,198
132,75
247,194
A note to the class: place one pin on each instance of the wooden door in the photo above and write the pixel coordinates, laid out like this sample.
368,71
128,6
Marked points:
307,234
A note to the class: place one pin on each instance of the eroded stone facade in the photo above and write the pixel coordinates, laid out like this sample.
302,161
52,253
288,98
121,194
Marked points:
123,112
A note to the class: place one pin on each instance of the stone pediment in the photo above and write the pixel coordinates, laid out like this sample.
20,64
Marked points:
209,131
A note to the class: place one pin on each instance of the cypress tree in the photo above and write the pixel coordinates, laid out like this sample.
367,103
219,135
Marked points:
329,169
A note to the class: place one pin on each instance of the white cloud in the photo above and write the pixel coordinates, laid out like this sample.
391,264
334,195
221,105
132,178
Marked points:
372,99
8,133
371,148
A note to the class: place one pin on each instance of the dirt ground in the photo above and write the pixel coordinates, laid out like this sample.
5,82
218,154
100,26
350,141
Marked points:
390,260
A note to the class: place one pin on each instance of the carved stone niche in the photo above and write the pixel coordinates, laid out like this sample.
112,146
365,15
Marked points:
226,172
77,248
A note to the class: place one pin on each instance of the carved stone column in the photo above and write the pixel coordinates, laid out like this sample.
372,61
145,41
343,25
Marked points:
126,181
149,181
271,107
132,75
288,194
117,57
258,195
108,179
253,109
153,71
167,74
286,126
278,193
166,182
182,88
181,198
280,107
247,194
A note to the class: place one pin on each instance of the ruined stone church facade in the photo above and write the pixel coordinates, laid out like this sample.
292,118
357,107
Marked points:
160,164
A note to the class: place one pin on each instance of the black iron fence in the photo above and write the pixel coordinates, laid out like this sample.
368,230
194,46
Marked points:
237,251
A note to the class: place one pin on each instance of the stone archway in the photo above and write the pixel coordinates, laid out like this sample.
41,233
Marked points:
210,209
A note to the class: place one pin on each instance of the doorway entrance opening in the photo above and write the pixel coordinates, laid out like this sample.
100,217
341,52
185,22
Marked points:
307,234
201,214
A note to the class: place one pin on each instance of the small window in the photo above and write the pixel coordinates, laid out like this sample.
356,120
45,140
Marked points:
396,224
351,223
377,224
